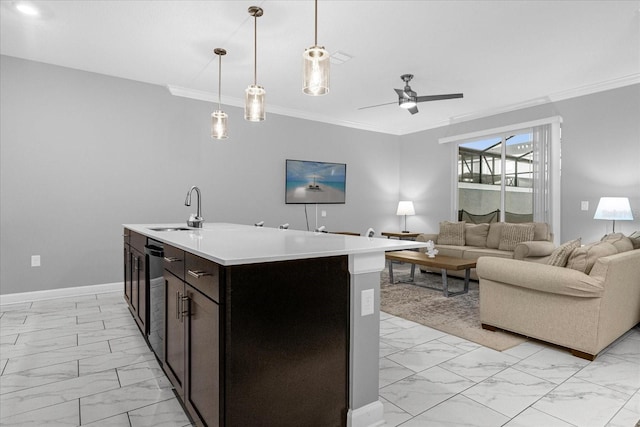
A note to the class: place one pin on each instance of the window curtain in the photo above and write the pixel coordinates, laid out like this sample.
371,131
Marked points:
546,175
541,173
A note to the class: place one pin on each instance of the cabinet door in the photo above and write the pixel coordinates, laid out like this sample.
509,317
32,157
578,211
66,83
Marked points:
203,356
174,333
139,289
127,274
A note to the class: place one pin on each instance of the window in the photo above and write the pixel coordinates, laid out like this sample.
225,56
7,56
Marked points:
495,174
509,174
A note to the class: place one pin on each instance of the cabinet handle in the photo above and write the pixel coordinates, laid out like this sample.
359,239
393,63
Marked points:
185,313
172,259
198,273
135,263
178,298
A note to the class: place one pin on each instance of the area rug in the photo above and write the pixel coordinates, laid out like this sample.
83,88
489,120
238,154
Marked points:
458,315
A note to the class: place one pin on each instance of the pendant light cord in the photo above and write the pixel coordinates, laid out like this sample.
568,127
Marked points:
255,50
219,81
316,25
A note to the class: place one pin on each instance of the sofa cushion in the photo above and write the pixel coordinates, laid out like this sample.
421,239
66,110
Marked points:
560,255
583,258
493,237
512,234
476,235
451,233
620,241
475,253
541,231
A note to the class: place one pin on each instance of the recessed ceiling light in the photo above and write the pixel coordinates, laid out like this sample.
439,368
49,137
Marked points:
27,9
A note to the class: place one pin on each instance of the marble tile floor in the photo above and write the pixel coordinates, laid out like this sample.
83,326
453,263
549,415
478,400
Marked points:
82,361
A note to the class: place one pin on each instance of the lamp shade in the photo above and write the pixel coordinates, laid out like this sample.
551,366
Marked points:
254,103
614,208
316,68
405,207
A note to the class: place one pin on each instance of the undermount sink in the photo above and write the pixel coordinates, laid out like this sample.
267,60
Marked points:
169,229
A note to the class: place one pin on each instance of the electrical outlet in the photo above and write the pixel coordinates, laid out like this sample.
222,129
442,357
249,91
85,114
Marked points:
324,213
366,302
35,260
584,205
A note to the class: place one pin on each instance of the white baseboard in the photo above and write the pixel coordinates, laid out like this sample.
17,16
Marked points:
371,415
61,293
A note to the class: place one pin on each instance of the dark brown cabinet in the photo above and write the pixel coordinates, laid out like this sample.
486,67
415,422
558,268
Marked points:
192,342
252,344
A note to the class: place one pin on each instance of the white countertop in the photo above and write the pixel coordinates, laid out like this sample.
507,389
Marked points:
235,244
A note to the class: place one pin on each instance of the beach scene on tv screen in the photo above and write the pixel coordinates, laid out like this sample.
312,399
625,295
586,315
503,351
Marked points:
315,182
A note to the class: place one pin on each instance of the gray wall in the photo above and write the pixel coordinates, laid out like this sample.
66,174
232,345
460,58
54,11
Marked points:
83,153
600,157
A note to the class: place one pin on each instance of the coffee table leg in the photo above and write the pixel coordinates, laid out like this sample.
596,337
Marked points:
467,275
391,271
413,272
445,285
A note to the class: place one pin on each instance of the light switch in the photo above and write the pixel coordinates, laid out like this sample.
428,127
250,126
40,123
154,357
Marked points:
35,260
584,205
324,213
366,302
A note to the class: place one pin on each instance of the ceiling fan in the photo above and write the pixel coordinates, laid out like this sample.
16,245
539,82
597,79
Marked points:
408,99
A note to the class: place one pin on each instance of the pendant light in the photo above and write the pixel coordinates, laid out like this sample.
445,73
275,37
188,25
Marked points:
315,66
254,95
219,117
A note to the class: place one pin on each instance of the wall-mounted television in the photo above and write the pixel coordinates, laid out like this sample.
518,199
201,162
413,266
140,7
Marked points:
315,182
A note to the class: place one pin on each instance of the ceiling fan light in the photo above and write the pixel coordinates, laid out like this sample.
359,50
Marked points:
407,103
316,67
254,97
219,124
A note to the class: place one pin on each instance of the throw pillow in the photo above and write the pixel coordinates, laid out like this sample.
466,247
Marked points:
560,255
451,233
476,235
619,240
512,234
583,258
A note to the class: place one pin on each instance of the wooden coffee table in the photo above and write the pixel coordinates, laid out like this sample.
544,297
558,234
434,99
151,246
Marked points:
439,261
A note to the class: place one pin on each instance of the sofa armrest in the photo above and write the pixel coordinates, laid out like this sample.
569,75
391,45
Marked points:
533,249
539,277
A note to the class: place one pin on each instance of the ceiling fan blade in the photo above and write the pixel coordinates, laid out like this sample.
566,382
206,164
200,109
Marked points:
402,93
378,105
439,97
413,110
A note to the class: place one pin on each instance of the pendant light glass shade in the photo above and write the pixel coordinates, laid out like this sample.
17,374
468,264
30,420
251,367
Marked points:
315,66
219,124
254,95
254,103
219,117
315,71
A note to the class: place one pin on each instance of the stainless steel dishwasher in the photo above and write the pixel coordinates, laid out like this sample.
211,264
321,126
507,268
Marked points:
154,251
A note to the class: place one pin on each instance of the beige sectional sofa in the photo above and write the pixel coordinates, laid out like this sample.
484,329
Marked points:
479,240
583,306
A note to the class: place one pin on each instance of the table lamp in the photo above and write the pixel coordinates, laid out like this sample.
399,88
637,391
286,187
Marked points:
614,208
405,207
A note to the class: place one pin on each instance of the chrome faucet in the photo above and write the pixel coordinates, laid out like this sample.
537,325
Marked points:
195,220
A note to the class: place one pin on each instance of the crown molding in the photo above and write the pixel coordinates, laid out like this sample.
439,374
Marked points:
554,97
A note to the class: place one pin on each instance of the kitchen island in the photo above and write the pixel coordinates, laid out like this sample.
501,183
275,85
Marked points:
270,327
